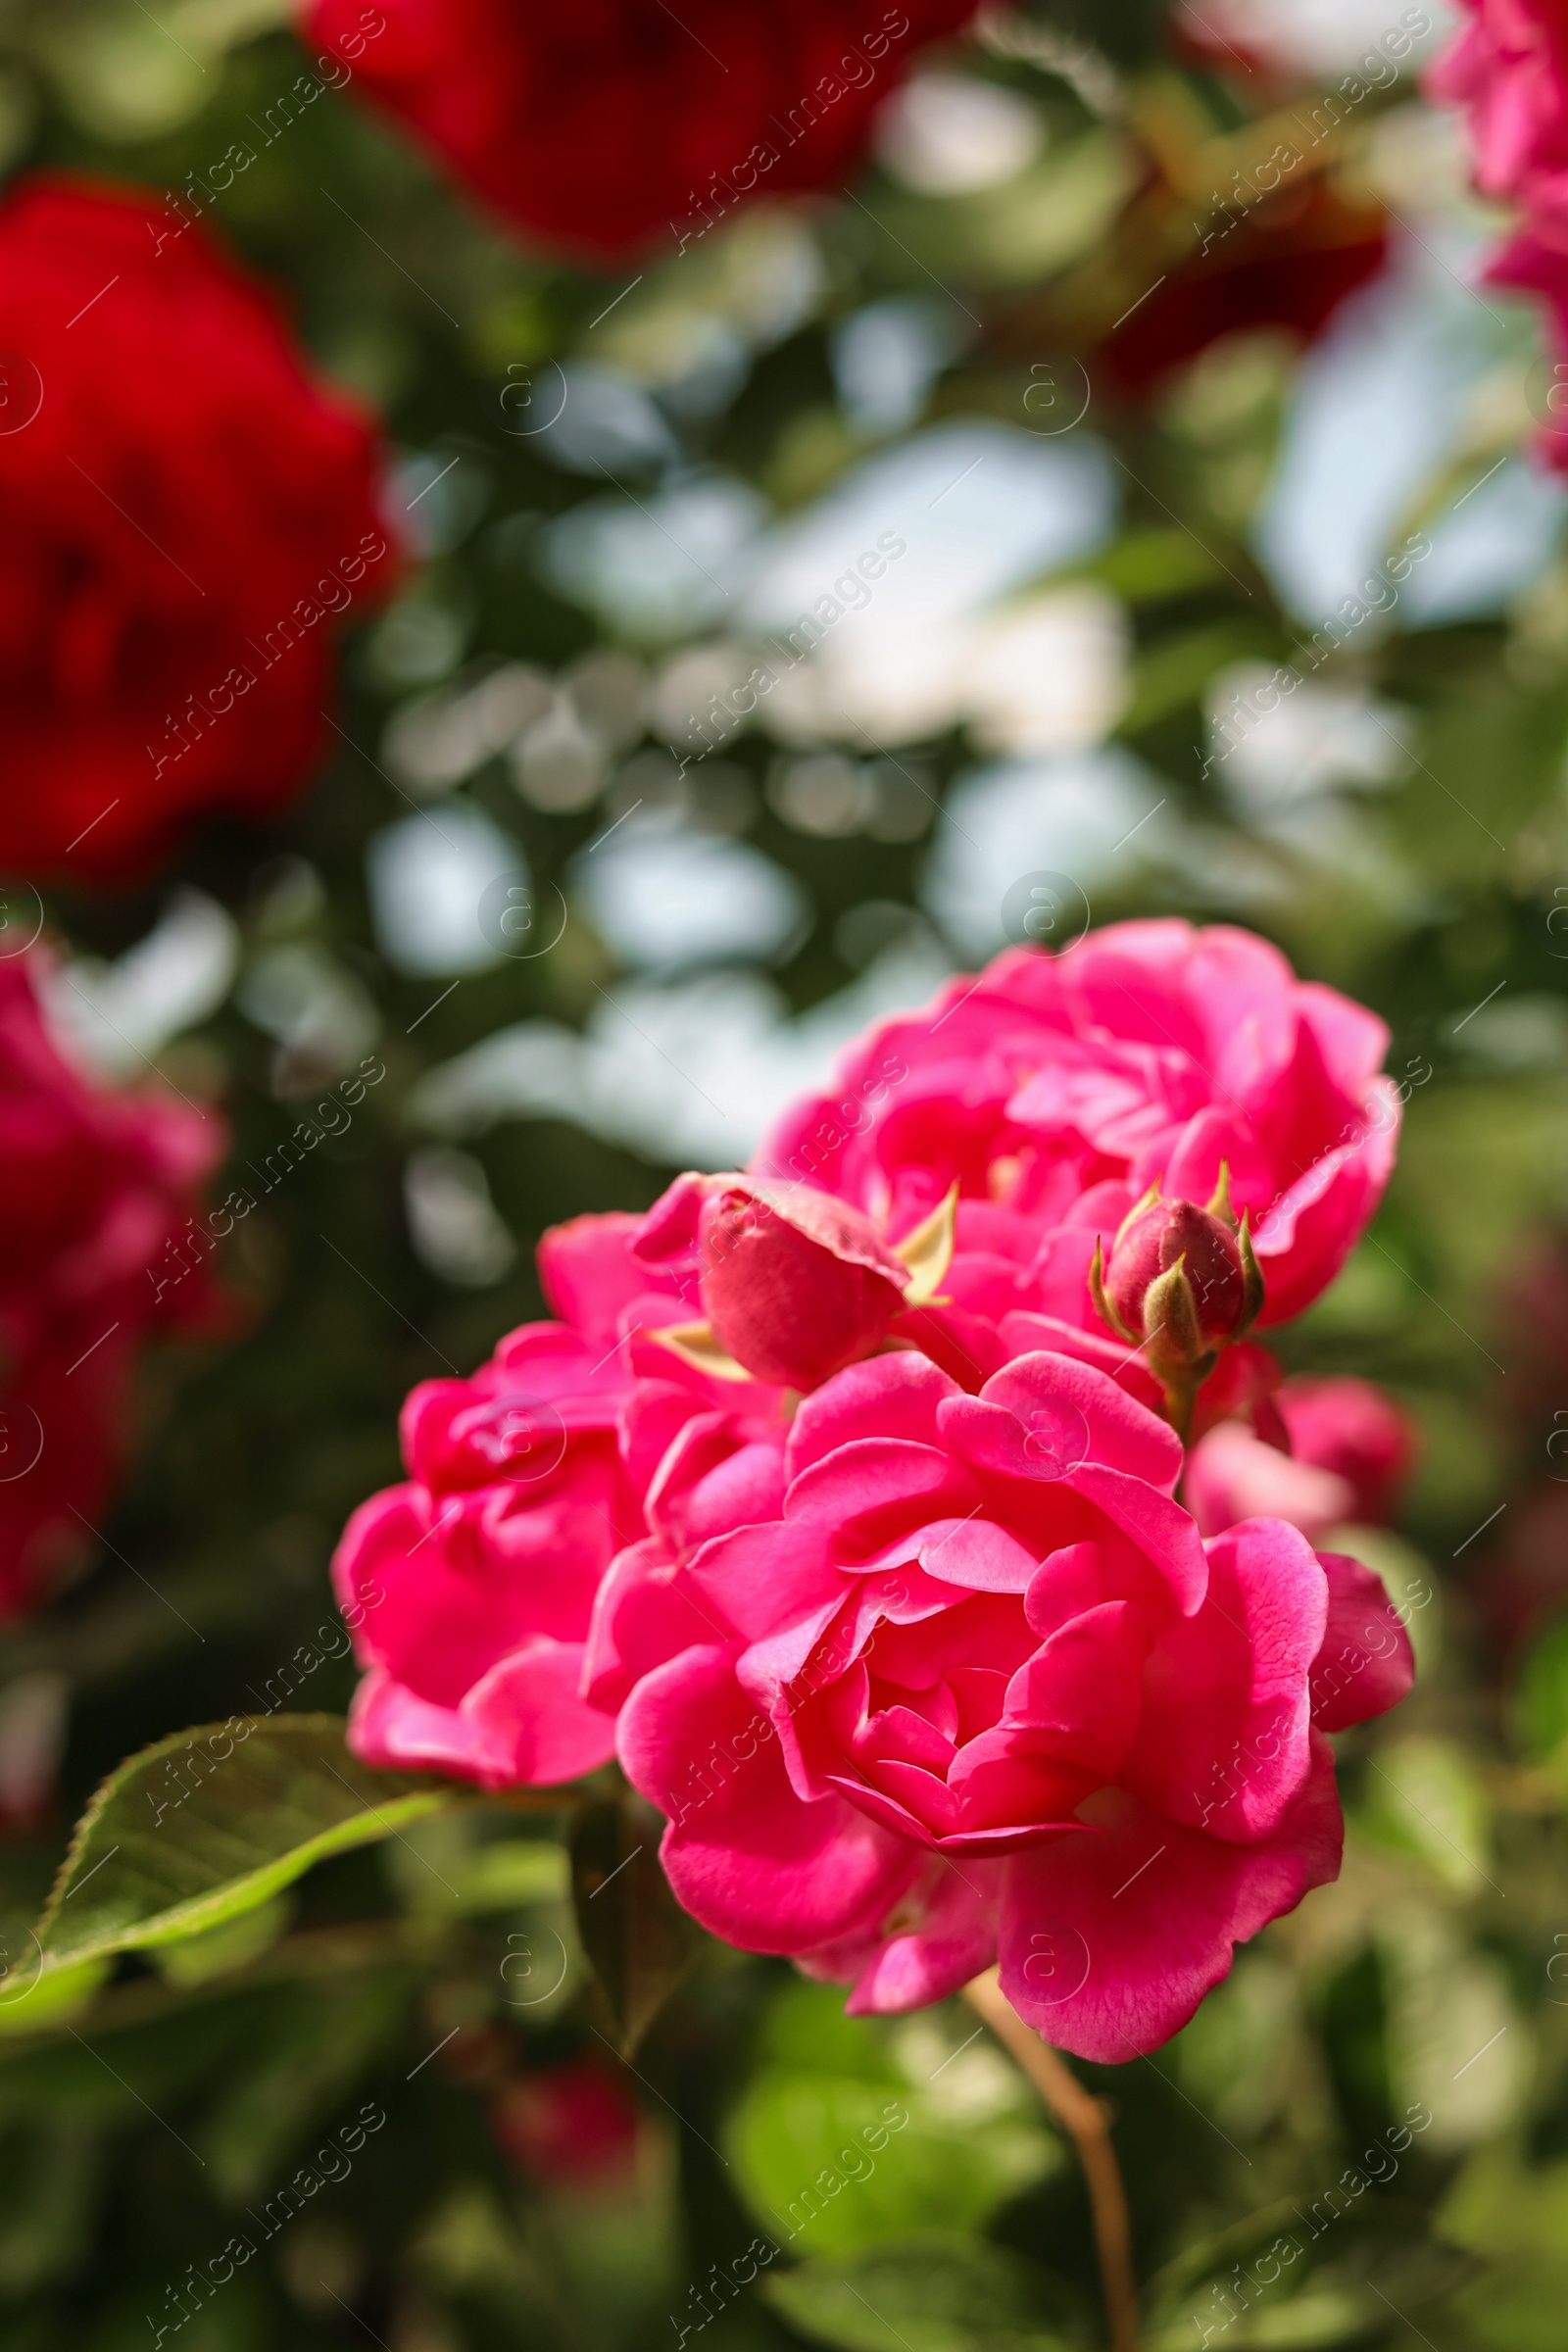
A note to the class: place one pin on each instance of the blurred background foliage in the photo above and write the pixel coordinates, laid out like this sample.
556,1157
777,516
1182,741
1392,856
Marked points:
1144,429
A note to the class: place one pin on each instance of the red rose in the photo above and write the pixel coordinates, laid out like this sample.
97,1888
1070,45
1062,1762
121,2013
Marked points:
598,125
98,1241
1290,263
572,2126
181,510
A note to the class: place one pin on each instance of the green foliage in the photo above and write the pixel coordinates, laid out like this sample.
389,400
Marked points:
1517,2218
930,2294
206,1826
844,2140
1425,1798
1540,1698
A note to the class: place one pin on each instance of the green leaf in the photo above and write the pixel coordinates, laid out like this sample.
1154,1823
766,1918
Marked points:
855,2132
1175,673
809,2031
1285,2280
925,2294
52,2164
638,1940
1541,1702
1142,568
305,2058
210,1823
839,2162
1319,2320
1425,1796
218,1952
41,1998
1515,2216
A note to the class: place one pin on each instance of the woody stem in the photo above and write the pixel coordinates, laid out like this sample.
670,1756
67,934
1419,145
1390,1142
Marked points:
1084,2120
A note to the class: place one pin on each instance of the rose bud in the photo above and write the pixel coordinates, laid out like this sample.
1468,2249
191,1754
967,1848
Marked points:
1181,1282
794,1284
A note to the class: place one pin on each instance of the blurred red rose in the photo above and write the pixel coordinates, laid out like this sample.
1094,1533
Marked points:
598,127
570,2125
98,1242
182,507
1287,264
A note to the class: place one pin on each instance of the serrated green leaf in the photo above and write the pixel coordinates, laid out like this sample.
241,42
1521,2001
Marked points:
208,1825
925,2294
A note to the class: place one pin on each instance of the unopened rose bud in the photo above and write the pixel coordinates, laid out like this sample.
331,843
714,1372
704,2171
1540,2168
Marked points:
793,1285
1181,1282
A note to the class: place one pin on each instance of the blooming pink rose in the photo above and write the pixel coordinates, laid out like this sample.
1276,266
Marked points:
978,1690
593,1279
1055,1089
1351,1449
1508,66
471,1587
98,1247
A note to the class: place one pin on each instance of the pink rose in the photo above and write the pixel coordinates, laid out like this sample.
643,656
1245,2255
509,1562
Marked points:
99,1245
1508,66
1055,1090
470,1589
1351,1450
979,1689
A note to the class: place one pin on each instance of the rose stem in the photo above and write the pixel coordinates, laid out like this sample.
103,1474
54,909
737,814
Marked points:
1084,2118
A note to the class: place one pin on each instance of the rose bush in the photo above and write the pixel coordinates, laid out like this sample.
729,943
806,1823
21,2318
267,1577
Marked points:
97,1187
183,507
599,128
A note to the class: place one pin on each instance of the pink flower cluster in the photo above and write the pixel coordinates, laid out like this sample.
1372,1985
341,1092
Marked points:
1507,67
834,1508
95,1186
